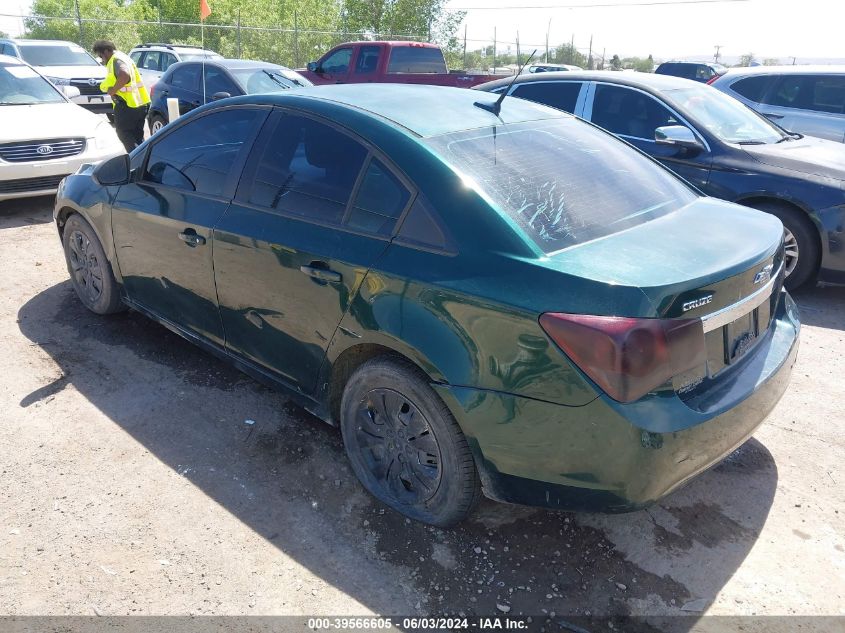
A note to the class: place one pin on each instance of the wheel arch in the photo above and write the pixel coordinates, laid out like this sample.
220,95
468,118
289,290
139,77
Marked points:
65,209
762,199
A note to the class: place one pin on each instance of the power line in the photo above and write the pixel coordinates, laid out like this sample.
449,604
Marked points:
597,6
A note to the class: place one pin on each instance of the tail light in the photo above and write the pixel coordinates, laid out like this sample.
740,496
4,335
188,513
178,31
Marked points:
628,357
152,91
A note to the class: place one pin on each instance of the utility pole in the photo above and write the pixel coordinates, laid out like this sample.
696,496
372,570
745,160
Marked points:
295,39
465,46
81,30
590,55
603,51
239,32
793,61
716,56
572,49
494,50
548,28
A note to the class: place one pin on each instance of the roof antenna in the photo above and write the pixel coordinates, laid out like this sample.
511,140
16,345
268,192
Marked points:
496,106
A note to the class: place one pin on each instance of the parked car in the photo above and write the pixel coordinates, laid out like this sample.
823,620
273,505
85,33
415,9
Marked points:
65,64
704,72
518,304
196,83
723,148
388,62
153,60
805,99
549,68
45,136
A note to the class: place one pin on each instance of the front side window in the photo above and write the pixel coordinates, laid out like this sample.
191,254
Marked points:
723,116
307,169
70,55
337,62
820,93
21,85
562,95
151,60
829,93
629,112
186,78
752,88
216,80
562,181
199,155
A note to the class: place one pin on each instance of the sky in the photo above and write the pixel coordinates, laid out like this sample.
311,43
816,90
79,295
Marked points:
806,29
767,28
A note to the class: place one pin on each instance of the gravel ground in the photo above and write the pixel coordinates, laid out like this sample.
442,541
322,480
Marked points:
131,484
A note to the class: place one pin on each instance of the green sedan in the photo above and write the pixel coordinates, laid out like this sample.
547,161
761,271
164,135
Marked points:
513,304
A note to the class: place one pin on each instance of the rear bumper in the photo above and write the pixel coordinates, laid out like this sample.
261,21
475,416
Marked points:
612,457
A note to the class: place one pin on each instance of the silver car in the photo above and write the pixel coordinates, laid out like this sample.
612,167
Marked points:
805,99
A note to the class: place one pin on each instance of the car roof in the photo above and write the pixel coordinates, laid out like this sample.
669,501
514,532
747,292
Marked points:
649,81
786,70
233,64
389,43
21,42
423,110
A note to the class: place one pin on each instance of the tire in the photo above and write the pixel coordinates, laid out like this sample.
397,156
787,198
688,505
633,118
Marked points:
156,123
802,243
404,444
89,268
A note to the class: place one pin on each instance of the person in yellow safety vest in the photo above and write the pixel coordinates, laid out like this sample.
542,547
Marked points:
130,98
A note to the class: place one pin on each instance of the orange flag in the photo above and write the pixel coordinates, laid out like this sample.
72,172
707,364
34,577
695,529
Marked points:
205,10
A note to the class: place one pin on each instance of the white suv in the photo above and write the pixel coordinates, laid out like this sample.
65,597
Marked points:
153,59
44,136
65,64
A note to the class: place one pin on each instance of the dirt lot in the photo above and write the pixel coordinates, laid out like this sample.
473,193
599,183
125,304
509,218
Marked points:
131,484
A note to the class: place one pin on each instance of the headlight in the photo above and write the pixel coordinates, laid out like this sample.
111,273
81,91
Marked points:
58,81
105,136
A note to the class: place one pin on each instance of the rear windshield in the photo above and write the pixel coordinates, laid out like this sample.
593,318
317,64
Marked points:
191,57
563,181
416,59
70,55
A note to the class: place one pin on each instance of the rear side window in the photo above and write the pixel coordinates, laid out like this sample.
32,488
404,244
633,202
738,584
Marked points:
380,200
416,59
752,88
367,60
151,61
562,95
307,169
199,155
562,181
167,60
820,93
186,78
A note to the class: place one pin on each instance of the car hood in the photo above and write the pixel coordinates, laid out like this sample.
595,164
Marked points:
73,72
708,246
808,155
46,121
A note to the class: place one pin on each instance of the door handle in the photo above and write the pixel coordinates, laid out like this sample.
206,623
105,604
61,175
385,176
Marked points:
323,274
190,237
772,115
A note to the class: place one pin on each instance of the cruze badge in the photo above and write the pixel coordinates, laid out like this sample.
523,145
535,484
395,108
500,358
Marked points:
697,303
764,275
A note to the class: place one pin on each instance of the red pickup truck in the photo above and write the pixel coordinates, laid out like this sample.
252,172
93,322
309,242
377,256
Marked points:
389,62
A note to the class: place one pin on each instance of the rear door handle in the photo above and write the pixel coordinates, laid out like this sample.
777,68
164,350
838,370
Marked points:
190,237
322,274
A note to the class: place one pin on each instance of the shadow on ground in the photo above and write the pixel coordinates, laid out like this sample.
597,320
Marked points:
291,485
26,211
822,306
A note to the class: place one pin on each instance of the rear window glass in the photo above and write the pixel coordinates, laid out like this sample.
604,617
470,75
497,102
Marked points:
416,59
562,181
562,95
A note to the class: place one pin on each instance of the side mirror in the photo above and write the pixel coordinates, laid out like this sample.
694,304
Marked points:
114,171
677,135
69,91
220,95
314,67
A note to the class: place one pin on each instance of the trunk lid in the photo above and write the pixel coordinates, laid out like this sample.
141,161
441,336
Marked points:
712,260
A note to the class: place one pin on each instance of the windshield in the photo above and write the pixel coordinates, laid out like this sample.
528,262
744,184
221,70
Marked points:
191,57
563,181
70,55
20,85
724,116
262,80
